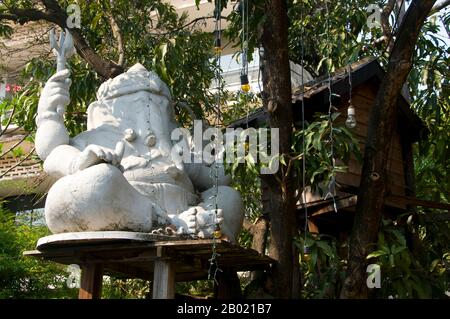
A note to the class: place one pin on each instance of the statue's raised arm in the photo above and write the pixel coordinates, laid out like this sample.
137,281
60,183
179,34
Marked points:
52,139
55,96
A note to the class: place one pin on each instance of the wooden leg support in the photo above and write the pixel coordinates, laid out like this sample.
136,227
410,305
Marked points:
91,281
164,279
228,285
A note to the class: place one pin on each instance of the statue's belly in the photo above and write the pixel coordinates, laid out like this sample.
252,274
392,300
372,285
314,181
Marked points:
166,185
153,174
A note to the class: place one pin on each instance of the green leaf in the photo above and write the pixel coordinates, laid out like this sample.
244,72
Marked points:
325,248
283,160
397,249
377,253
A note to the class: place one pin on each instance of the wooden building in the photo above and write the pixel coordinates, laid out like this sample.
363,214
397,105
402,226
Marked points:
366,76
23,183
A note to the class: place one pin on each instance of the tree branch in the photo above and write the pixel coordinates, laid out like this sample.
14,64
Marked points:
439,6
118,36
9,120
385,25
23,16
116,32
15,145
55,14
193,23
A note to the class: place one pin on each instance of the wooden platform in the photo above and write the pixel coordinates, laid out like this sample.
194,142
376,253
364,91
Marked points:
162,259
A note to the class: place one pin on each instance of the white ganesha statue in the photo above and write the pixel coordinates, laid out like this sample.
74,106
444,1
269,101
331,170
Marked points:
120,173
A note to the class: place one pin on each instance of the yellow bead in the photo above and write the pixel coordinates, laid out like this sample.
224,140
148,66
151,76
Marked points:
245,87
218,50
217,234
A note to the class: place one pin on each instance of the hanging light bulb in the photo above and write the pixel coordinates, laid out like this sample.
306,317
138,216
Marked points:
217,44
245,86
306,253
350,122
217,232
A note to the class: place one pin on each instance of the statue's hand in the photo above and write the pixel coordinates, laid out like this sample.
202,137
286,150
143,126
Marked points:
55,95
95,154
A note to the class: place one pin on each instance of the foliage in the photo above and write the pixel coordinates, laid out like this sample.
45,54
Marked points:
26,277
118,288
322,267
199,288
402,272
249,186
321,167
34,76
245,177
319,145
322,37
430,91
239,106
330,36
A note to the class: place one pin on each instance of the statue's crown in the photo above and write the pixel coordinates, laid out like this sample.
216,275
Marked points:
136,79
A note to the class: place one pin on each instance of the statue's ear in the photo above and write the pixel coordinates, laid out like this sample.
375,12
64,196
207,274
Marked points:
90,115
99,113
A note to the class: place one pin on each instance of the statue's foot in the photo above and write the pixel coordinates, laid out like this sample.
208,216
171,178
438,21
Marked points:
186,222
198,221
207,222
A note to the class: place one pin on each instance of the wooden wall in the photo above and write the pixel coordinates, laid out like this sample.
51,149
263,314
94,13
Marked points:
363,97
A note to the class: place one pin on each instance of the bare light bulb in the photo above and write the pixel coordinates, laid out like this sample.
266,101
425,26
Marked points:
245,86
350,122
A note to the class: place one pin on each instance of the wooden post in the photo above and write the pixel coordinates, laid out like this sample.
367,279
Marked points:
91,281
228,285
163,276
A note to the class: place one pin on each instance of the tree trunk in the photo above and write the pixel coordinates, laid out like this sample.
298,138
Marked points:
281,191
382,120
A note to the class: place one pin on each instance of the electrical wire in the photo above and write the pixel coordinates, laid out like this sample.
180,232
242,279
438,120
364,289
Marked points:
332,183
302,59
213,261
350,98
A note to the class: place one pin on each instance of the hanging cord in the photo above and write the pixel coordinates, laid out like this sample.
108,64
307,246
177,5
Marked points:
213,261
331,185
245,86
349,45
305,206
260,56
350,92
350,122
350,85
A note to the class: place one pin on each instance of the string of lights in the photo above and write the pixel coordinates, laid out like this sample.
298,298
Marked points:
213,261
